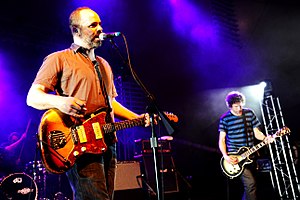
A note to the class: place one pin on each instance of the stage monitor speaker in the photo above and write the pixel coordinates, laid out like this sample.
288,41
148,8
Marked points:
128,181
127,175
167,171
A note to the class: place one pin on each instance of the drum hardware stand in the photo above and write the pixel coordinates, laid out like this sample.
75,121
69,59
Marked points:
59,195
36,176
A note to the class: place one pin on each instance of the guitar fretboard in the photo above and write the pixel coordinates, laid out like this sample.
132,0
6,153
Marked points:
111,127
253,149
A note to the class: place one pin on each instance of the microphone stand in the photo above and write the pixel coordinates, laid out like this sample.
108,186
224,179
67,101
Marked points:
153,110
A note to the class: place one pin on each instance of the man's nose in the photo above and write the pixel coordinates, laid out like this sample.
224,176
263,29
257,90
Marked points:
99,28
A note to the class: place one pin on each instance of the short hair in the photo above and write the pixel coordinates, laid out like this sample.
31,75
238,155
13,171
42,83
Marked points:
234,97
74,19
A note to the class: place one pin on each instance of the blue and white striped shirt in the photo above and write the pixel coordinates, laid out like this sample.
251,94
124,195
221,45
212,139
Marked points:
234,126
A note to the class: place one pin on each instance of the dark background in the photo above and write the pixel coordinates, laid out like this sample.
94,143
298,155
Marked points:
188,54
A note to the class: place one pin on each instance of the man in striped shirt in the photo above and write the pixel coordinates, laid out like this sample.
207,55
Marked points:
239,127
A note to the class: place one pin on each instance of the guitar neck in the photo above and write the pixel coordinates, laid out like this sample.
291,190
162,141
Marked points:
279,133
253,149
116,126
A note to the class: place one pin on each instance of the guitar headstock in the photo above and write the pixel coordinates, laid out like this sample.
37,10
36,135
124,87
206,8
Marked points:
283,131
172,117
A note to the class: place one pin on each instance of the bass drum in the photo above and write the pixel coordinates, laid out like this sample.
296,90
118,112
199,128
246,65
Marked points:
19,186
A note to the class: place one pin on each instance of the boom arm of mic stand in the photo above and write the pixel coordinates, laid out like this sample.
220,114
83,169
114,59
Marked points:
153,106
152,109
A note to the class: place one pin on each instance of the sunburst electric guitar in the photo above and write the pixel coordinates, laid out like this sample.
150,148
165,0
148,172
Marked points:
234,170
62,141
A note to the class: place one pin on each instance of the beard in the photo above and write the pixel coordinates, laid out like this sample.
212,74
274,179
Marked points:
92,43
96,43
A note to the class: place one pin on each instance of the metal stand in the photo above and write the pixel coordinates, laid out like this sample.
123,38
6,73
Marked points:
153,143
152,109
283,175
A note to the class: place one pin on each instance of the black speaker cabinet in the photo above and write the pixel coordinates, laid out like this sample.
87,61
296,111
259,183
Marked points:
167,176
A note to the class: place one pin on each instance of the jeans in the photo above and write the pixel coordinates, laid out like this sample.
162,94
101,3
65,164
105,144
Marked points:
92,177
249,183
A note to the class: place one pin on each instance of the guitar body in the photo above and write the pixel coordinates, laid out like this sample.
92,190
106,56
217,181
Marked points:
243,154
61,142
63,139
236,170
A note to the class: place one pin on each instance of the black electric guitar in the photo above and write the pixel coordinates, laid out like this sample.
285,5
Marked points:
62,139
234,170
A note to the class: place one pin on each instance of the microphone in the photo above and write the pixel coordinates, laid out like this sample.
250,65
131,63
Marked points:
104,36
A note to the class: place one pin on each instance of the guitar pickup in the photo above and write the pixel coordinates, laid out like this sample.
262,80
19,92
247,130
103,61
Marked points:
81,134
97,130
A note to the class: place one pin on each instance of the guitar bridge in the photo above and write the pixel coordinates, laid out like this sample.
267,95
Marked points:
74,135
57,139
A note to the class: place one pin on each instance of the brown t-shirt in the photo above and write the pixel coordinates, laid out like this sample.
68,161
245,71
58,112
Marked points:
71,73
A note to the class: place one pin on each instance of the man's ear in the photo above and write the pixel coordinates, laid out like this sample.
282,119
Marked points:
75,29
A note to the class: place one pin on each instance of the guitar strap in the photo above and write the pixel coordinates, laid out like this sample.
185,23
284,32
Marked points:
248,133
97,66
246,128
109,138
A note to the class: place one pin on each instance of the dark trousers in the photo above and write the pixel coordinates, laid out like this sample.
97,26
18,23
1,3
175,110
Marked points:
249,183
92,177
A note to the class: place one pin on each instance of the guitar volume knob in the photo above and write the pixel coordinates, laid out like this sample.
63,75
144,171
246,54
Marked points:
83,149
75,153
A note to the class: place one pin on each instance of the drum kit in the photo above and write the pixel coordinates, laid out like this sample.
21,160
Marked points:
31,184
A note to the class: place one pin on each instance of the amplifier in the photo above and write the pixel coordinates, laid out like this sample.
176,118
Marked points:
143,146
127,175
166,172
